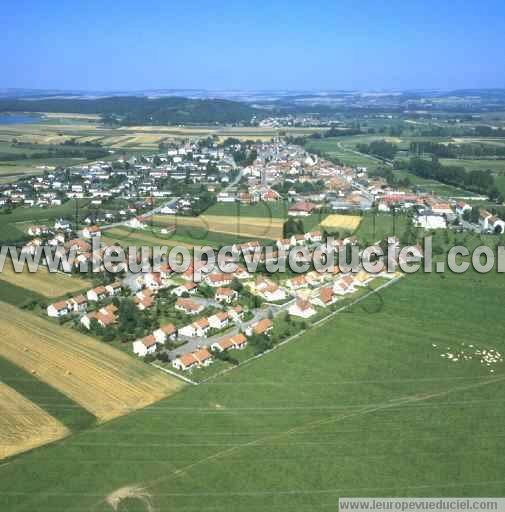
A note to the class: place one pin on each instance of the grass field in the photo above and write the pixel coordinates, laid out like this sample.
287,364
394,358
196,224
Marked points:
24,425
378,226
274,210
362,406
335,149
248,227
347,222
103,380
43,282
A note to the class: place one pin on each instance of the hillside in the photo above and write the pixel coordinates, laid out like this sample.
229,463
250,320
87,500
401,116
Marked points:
131,110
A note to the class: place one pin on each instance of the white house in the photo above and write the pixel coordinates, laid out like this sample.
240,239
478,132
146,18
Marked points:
165,332
263,326
430,222
188,306
238,341
302,308
91,232
226,295
188,287
313,237
201,357
78,304
218,280
219,320
145,346
97,294
58,309
199,329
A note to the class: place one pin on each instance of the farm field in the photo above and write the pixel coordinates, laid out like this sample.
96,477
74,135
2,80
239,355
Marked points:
183,236
13,226
378,226
24,425
43,282
250,227
275,210
363,405
334,149
103,380
56,404
347,222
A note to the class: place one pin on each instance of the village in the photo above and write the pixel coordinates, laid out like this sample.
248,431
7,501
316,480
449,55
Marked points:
184,325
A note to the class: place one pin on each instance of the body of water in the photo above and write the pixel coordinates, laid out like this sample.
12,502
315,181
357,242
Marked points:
19,119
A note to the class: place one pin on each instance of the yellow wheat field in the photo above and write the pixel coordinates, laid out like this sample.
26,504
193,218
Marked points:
24,425
48,284
347,222
103,380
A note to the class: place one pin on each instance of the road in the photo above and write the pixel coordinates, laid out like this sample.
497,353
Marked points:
193,344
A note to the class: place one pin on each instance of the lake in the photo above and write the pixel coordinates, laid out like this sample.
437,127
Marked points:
19,119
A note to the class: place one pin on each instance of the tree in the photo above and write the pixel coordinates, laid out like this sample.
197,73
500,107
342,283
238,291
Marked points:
292,227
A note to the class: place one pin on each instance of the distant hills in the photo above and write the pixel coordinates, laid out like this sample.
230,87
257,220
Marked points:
131,110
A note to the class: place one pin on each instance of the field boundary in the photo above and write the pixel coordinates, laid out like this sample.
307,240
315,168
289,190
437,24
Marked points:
174,374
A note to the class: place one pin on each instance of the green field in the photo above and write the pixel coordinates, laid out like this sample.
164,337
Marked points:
13,226
334,149
363,405
378,226
276,210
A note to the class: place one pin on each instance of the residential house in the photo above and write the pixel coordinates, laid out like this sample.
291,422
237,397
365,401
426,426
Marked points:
91,232
97,294
219,320
314,237
104,316
218,280
188,306
113,289
189,288
284,244
344,285
236,314
324,297
238,341
301,209
261,327
302,308
58,309
165,332
297,282
144,299
145,346
78,304
226,295
199,358
199,329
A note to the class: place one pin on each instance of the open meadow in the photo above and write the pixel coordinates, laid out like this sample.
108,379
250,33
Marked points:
368,404
103,380
24,425
43,282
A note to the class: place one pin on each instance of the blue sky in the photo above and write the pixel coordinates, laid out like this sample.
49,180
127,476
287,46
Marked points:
293,44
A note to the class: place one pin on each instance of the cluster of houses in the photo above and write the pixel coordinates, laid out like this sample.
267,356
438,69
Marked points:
79,303
203,357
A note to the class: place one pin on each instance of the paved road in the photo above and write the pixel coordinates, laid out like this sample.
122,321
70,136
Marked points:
259,314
